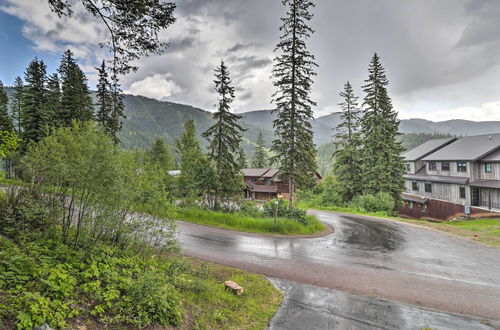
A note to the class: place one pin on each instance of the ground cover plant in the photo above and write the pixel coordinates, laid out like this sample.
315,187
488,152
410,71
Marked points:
254,224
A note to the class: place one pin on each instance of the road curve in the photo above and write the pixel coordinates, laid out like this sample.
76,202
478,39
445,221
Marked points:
368,257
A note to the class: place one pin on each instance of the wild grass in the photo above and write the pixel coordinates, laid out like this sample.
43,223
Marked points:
247,223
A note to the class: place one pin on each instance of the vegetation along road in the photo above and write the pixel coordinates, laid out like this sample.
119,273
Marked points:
373,258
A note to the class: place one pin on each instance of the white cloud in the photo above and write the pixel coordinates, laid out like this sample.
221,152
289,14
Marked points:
158,86
486,112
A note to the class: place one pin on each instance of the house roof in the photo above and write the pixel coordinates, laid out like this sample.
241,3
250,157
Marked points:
423,176
426,148
255,172
271,173
415,199
492,157
486,184
467,148
263,188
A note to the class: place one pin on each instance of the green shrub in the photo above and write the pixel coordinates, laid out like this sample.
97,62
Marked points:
374,203
251,209
283,210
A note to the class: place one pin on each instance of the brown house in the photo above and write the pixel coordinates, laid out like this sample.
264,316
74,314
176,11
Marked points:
264,184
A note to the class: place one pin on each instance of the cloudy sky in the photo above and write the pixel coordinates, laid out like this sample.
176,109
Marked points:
442,57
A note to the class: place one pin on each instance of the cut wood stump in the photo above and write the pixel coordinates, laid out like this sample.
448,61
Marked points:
234,287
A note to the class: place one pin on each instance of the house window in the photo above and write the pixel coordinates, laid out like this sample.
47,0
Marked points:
428,187
432,166
445,166
462,192
487,167
462,167
414,186
268,182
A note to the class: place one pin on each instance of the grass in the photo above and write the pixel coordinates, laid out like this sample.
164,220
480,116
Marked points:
488,230
247,223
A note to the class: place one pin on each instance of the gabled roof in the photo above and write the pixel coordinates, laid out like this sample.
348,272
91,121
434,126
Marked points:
467,148
426,148
255,172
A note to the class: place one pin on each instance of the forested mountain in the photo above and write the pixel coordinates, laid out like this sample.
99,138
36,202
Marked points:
148,118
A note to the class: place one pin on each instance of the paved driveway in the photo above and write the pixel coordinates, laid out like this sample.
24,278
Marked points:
367,257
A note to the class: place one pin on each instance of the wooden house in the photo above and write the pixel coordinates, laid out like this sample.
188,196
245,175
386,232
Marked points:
449,178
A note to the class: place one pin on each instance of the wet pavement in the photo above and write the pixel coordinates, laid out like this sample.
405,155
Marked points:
367,257
311,307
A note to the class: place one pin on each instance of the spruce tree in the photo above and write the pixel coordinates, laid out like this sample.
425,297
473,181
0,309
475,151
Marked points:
383,166
17,104
5,119
347,156
117,108
259,159
293,69
159,153
53,100
242,159
34,119
104,99
224,138
76,101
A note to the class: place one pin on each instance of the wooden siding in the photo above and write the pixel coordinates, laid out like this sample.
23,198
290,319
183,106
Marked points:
452,172
481,174
444,191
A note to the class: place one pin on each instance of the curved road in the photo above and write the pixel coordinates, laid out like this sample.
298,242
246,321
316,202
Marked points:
367,257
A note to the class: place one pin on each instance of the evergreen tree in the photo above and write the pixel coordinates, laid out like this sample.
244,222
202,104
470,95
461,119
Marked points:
104,99
159,153
53,99
259,159
189,151
224,138
294,68
347,164
17,104
383,166
34,119
117,109
76,101
5,120
242,159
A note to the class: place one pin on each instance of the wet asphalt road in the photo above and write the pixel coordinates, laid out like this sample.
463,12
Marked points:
367,257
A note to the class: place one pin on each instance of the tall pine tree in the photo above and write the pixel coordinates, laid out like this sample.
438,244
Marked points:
259,159
347,155
17,104
5,119
34,119
242,158
117,108
224,138
104,99
293,70
383,167
53,99
76,101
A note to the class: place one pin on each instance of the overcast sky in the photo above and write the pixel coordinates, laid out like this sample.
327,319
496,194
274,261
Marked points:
442,57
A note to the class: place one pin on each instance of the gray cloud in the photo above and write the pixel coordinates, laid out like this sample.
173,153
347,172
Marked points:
438,55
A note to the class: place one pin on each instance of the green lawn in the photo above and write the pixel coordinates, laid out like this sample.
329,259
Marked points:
251,224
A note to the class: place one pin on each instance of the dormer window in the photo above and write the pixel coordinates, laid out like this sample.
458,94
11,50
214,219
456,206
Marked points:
407,167
445,166
432,166
462,167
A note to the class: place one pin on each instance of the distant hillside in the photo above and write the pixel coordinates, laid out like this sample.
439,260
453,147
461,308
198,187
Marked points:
148,119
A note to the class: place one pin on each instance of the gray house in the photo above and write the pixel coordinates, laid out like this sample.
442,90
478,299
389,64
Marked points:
447,178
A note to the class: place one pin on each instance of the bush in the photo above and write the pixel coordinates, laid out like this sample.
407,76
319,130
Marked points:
382,201
284,211
251,209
